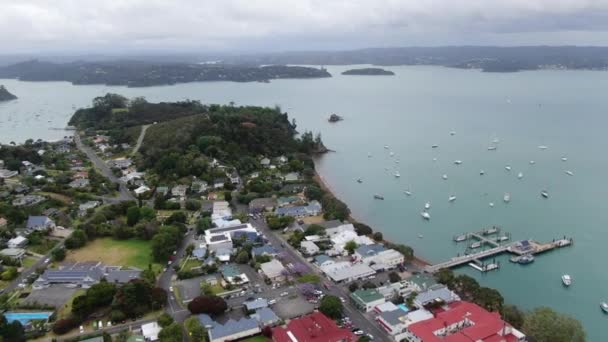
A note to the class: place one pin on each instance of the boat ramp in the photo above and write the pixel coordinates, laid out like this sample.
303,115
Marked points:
487,238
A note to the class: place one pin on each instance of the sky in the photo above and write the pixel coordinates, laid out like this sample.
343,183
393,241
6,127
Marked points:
198,26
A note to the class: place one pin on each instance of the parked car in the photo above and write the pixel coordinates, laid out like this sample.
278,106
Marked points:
272,301
284,294
358,332
47,260
342,300
170,288
371,337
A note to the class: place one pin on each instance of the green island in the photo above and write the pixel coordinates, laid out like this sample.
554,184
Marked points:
5,95
369,72
145,194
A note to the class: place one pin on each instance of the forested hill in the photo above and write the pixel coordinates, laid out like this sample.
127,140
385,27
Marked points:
5,95
142,74
188,134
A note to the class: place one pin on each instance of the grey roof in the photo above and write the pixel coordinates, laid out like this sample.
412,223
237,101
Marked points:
266,316
438,292
256,304
217,238
393,317
367,250
37,221
199,253
228,229
319,259
266,249
94,339
232,327
122,276
206,321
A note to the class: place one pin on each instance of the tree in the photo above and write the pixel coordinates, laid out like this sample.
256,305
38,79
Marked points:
331,306
58,254
513,315
313,192
352,287
489,298
62,326
314,229
177,217
545,325
147,213
206,289
350,246
164,320
307,289
228,196
394,277
196,331
171,333
212,305
378,236
364,338
368,284
445,276
76,240
362,229
203,224
11,331
133,215
242,257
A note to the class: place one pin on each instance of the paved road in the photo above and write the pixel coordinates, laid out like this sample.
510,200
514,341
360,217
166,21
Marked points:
26,273
357,318
124,193
110,330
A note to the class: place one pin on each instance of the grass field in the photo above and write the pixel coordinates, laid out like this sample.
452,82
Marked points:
189,264
62,198
133,252
28,262
44,247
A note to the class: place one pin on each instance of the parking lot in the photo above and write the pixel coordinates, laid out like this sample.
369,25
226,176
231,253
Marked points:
292,306
56,296
189,288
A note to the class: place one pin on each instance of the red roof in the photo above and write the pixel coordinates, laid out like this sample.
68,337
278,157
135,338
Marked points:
485,326
315,327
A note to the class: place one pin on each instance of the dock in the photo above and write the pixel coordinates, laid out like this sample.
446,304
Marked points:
519,248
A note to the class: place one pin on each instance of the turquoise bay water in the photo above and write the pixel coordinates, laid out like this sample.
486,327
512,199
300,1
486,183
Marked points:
564,110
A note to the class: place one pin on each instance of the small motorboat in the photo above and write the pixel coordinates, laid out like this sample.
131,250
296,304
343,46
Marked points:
457,162
408,193
378,197
434,159
427,205
451,198
434,146
495,141
482,172
369,155
542,147
569,173
564,159
445,177
492,148
392,154
508,168
566,279
532,162
506,197
526,259
386,147
420,236
425,215
544,193
475,245
397,174
491,204
604,307
453,133
520,175
359,180
460,238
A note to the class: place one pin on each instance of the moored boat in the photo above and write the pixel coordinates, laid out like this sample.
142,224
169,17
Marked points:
526,259
566,279
359,180
460,238
491,148
544,193
445,177
506,197
408,193
427,205
508,168
378,197
425,215
482,172
520,175
457,162
604,307
397,174
451,198
475,244
569,173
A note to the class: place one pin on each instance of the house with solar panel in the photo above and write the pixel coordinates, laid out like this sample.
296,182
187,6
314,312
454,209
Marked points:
84,275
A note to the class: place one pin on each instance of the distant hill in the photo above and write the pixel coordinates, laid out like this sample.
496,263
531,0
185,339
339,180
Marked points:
142,74
369,72
5,95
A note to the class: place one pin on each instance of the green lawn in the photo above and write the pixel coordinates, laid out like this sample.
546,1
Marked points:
28,262
44,247
133,252
191,263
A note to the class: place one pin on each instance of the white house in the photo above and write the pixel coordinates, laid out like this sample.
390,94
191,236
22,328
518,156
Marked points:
340,239
273,270
17,242
309,248
151,331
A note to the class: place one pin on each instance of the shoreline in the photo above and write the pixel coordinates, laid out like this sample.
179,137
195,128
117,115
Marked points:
318,178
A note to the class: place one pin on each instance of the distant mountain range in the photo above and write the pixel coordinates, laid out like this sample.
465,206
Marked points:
486,58
142,74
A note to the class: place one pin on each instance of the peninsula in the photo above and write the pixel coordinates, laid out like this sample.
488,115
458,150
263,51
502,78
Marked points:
369,72
144,74
5,95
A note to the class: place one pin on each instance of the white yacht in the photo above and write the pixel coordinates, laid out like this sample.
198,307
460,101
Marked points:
457,162
434,159
532,162
475,244
408,193
491,204
425,215
386,147
543,147
508,168
564,159
397,174
451,198
569,173
604,307
427,205
482,172
566,279
506,197
495,141
520,175
392,154
444,176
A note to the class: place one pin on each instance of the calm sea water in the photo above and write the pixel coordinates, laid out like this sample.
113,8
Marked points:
564,110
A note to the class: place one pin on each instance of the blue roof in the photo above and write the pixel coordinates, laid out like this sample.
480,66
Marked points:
37,221
368,250
319,259
249,236
230,271
266,316
266,249
232,327
256,304
206,321
199,253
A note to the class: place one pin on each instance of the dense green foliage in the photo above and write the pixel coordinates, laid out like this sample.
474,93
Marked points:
11,331
196,331
171,333
331,306
211,305
545,325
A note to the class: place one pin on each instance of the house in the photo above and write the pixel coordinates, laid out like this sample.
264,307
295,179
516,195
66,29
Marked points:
259,205
282,160
4,173
221,210
273,270
346,272
266,317
293,188
3,222
367,299
315,327
199,186
162,190
366,251
291,177
309,248
435,294
255,304
403,289
244,237
265,162
210,279
323,260
17,242
233,274
336,227
84,275
80,175
463,322
88,205
313,208
199,253
141,190
207,207
224,254
233,177
217,242
263,250
39,223
14,253
231,229
396,321
379,257
151,331
79,183
287,201
340,239
231,330
218,183
123,163
179,190
132,177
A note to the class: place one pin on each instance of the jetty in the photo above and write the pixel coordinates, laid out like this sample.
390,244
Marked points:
518,248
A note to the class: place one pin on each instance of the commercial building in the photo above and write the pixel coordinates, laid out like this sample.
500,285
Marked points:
84,275
436,294
367,299
347,272
315,327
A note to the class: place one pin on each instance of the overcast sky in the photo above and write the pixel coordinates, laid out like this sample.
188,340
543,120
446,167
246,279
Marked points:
127,26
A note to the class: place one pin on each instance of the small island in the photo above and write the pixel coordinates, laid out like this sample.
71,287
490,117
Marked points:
5,95
335,118
369,72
